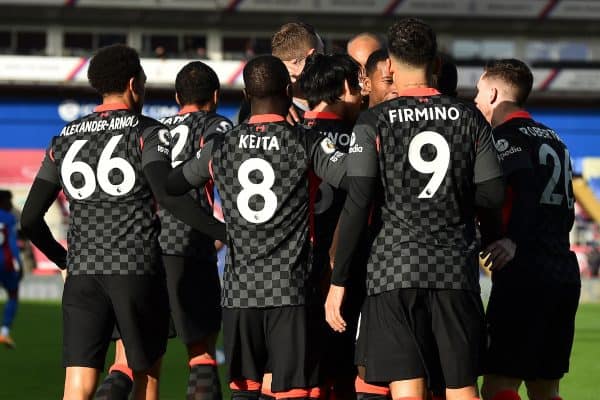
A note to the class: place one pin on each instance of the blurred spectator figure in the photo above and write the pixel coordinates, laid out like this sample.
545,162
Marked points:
160,52
594,261
10,266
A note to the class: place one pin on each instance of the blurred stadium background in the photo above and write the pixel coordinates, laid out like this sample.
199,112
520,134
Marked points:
45,46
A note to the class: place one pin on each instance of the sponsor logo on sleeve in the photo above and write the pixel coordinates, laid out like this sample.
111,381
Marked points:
502,145
327,145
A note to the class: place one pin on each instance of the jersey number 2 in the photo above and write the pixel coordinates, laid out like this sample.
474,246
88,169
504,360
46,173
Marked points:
105,165
548,195
262,189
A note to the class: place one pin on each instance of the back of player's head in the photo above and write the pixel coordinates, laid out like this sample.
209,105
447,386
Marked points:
515,74
196,83
266,76
293,40
324,75
447,79
375,58
362,45
112,67
412,42
5,199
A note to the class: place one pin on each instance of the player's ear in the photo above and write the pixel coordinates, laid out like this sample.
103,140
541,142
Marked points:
177,99
493,95
366,85
216,97
288,91
246,96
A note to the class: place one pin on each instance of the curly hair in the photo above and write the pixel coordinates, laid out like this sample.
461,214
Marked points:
112,67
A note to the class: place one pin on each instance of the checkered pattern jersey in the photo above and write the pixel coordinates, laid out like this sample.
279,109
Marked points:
326,201
525,143
189,132
114,228
425,232
268,262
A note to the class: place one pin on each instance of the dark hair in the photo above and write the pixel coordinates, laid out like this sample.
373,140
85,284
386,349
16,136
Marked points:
514,73
293,40
412,42
266,76
447,79
196,83
112,67
5,195
323,77
375,58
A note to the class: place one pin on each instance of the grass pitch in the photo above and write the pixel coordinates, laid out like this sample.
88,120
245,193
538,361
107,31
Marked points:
34,369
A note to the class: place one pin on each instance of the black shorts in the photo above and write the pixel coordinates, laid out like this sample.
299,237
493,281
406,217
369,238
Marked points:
531,331
194,297
93,304
422,333
279,340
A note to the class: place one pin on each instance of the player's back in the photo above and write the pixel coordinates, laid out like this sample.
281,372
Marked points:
261,173
525,143
190,129
113,227
427,146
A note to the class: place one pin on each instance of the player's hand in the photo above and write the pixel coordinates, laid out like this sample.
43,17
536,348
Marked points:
499,253
292,116
333,306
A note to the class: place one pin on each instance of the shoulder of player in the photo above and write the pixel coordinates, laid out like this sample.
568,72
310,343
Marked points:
7,218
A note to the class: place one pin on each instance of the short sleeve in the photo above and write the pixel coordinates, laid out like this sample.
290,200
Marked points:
197,170
49,170
512,150
486,165
362,153
155,143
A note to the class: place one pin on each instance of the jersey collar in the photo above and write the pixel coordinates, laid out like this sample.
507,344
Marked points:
190,108
111,107
265,118
419,92
517,114
321,115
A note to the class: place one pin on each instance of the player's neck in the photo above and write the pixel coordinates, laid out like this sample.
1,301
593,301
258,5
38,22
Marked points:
269,106
116,98
335,108
502,111
407,77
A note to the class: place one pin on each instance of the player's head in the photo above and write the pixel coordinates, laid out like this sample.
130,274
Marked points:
116,70
447,76
412,46
379,83
332,80
361,46
292,43
197,84
5,200
267,85
503,81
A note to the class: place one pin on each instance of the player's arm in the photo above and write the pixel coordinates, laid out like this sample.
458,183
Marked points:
156,167
194,173
361,179
518,172
328,163
215,128
12,242
42,194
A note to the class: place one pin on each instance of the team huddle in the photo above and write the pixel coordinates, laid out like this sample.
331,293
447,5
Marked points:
358,194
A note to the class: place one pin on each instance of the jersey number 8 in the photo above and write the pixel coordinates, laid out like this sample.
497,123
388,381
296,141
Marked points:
105,165
262,189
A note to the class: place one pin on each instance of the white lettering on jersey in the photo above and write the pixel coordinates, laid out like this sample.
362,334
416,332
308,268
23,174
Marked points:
258,142
341,139
174,120
539,132
100,125
423,114
354,148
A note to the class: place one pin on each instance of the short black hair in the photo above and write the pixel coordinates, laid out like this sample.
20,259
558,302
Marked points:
375,58
447,79
513,72
196,83
112,67
5,195
323,77
413,42
266,76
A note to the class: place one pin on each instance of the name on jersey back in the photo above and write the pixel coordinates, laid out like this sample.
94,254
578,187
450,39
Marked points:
100,125
423,114
258,142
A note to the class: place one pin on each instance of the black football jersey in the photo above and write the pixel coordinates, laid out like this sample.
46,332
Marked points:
261,172
98,161
190,130
427,151
523,143
326,201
